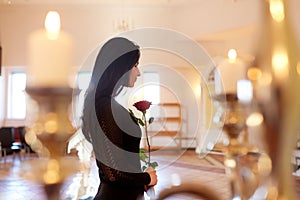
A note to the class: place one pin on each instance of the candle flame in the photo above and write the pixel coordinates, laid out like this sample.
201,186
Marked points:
232,54
52,24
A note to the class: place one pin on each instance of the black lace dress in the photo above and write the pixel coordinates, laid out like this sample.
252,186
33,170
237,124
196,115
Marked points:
118,153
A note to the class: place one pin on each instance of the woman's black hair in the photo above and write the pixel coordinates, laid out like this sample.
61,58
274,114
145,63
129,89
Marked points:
116,76
110,74
115,59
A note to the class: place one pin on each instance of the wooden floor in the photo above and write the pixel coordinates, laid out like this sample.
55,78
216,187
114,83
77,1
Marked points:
175,168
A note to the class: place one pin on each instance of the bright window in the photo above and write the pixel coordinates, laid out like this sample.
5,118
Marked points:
151,88
16,102
82,81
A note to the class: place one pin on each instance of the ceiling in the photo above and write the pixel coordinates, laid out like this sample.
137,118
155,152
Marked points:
217,24
74,2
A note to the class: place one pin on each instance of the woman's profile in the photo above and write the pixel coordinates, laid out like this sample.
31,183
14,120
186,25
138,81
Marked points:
115,136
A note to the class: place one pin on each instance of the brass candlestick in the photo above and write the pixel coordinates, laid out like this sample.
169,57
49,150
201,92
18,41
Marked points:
234,124
52,128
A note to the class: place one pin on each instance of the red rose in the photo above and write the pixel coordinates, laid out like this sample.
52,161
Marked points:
142,105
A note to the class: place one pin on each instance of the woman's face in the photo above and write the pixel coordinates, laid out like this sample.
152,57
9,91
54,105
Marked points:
133,74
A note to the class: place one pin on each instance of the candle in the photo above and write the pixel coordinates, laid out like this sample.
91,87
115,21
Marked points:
228,73
50,55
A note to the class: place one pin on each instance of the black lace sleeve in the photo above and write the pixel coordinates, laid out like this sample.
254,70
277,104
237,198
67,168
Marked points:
119,162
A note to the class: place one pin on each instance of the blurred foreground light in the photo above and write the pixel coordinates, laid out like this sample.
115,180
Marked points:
280,64
277,10
254,74
236,198
30,137
176,180
51,125
298,67
244,91
264,165
52,174
232,54
230,163
254,119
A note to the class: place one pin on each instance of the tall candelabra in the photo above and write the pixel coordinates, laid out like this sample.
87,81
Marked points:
52,128
277,99
234,119
48,118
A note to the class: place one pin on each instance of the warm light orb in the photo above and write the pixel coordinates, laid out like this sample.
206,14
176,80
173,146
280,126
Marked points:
232,54
277,10
280,63
52,24
52,175
298,67
38,128
254,74
254,119
264,165
30,137
230,163
51,125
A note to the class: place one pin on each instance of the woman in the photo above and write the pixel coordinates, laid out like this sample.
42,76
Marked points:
110,128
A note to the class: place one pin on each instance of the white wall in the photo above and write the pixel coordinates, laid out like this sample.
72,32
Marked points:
177,85
90,25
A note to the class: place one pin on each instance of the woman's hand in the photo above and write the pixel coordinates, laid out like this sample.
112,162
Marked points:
153,176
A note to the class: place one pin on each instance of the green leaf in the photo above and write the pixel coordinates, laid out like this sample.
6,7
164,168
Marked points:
143,156
144,168
142,151
133,116
153,165
151,119
141,122
131,112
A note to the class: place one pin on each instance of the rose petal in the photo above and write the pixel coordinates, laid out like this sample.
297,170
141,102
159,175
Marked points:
142,105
